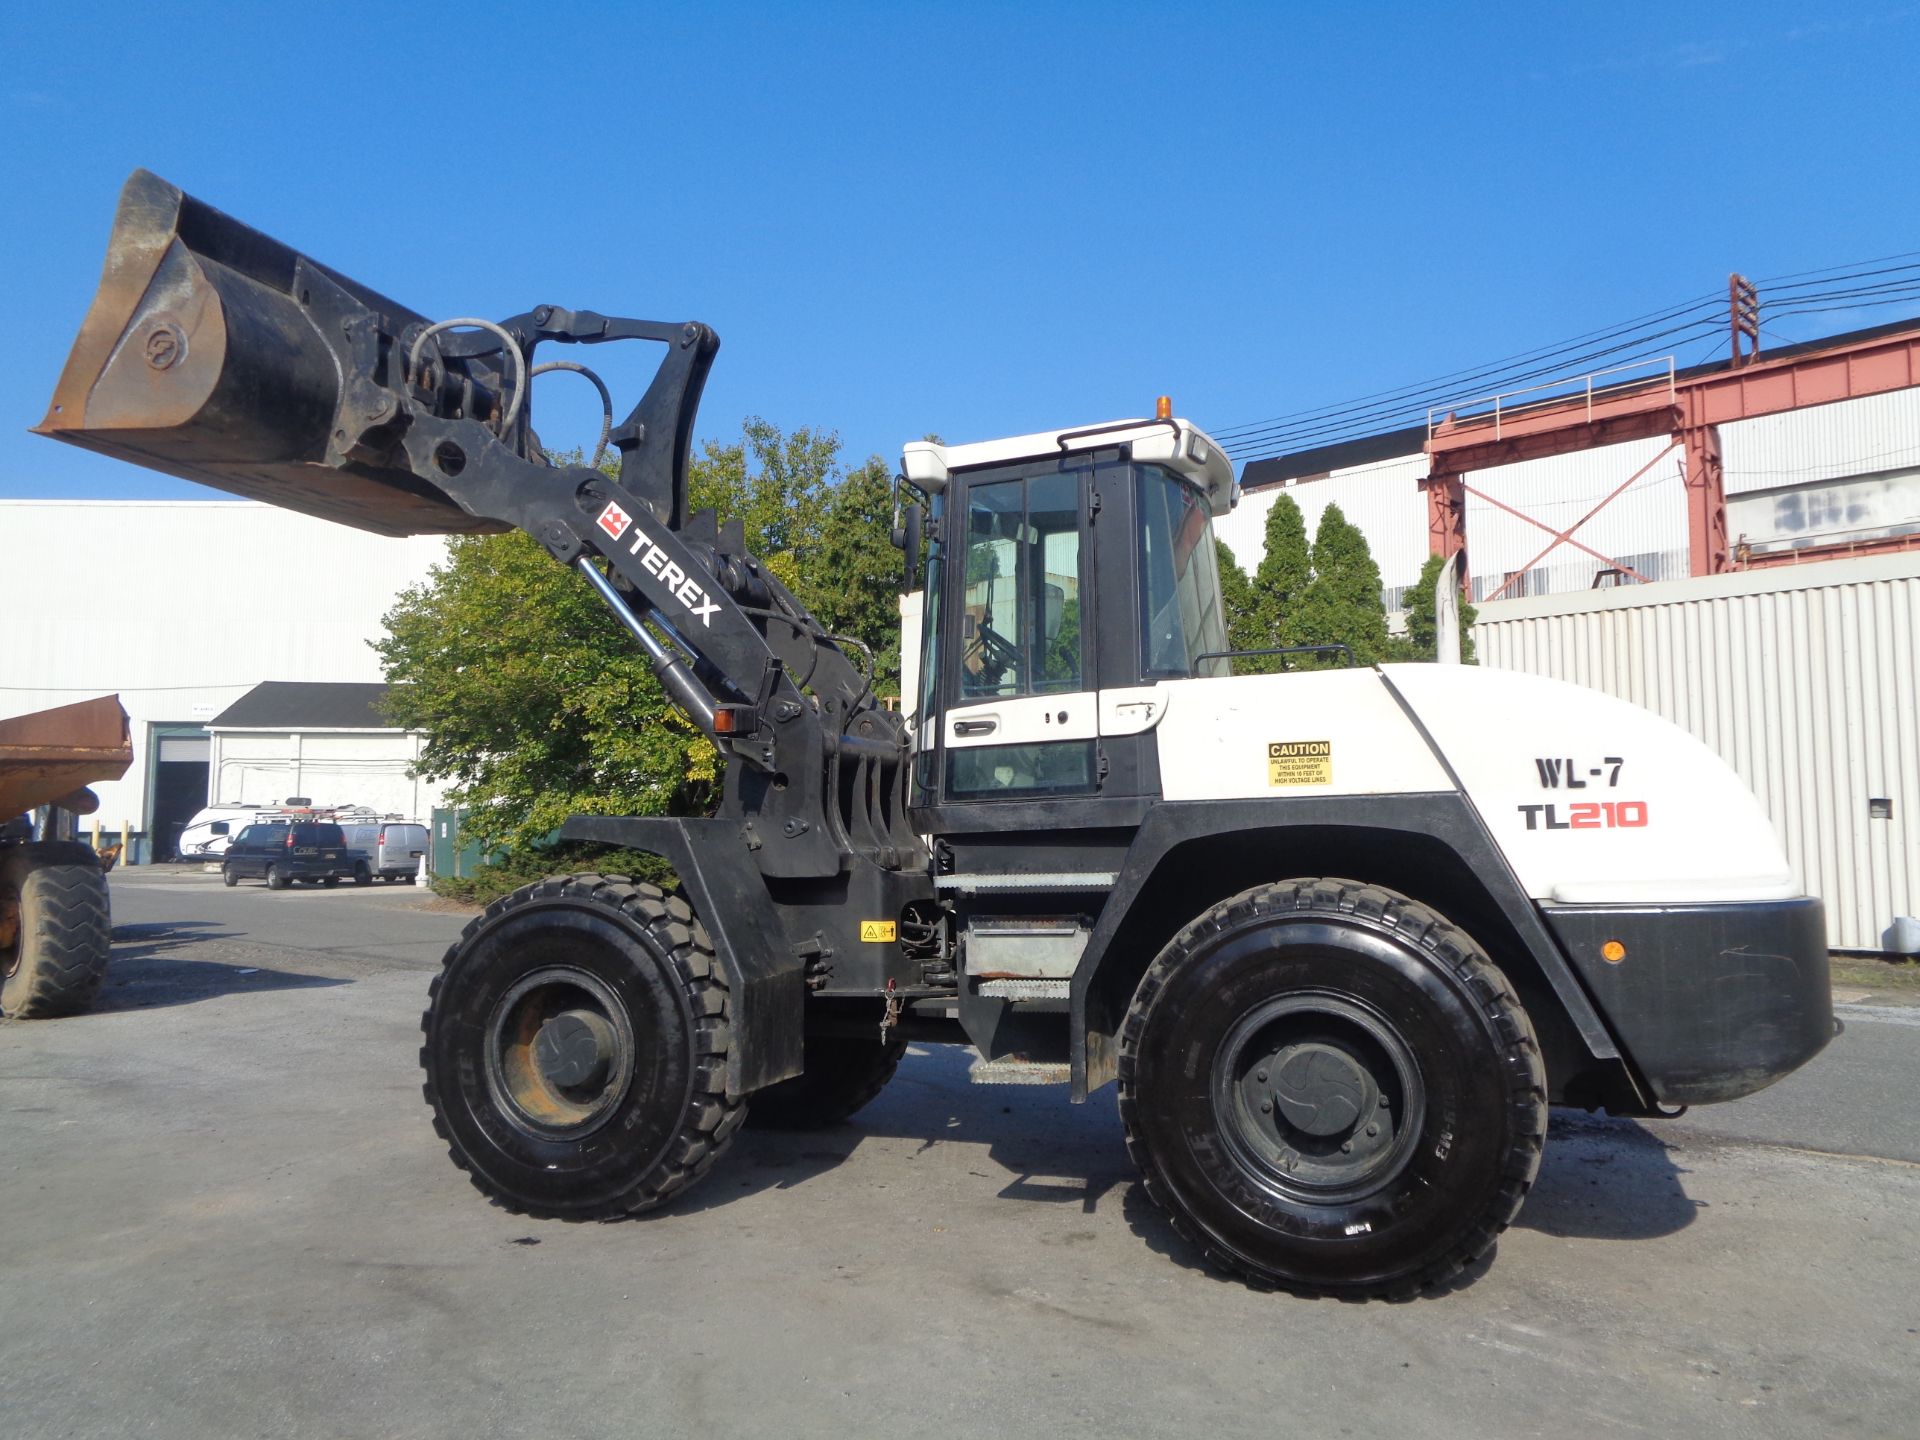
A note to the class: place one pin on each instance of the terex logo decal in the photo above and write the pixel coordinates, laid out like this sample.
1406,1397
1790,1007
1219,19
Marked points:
614,520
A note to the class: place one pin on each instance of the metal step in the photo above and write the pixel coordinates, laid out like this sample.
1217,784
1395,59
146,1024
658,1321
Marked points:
1014,1070
1023,989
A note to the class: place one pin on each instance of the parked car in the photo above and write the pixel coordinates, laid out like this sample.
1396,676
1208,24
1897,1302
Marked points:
309,850
393,849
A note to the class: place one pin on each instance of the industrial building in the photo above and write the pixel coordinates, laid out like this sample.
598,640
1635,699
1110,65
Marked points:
238,637
1735,546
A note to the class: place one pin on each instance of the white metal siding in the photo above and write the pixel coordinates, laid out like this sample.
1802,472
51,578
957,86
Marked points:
1382,499
1804,680
182,607
1645,525
1823,442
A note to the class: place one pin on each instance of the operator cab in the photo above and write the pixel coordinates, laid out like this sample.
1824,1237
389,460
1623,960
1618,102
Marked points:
1068,572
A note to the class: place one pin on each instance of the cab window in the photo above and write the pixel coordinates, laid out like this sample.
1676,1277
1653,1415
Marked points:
1180,617
1020,602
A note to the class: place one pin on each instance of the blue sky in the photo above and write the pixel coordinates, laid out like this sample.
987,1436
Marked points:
972,219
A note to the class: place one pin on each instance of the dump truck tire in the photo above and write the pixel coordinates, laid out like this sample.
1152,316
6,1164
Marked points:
843,1073
1330,1088
576,1049
57,929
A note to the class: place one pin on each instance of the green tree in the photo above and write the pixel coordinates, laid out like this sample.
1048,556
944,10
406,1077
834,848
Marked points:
851,580
1342,603
1423,626
1279,583
1238,605
536,705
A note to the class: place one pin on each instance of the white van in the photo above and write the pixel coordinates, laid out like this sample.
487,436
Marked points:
393,848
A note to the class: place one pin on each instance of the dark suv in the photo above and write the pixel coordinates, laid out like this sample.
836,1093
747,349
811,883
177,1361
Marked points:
304,850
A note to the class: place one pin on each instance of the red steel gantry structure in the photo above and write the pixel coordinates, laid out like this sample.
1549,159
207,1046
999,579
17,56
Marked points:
1687,407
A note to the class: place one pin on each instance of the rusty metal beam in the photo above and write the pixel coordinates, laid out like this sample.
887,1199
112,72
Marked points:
1687,407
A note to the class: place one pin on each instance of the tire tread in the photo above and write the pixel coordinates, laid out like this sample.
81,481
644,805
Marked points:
713,1117
1443,942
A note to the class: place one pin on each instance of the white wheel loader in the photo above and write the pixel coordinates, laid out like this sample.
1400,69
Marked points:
1340,937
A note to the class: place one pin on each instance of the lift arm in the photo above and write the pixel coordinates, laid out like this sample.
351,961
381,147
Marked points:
216,353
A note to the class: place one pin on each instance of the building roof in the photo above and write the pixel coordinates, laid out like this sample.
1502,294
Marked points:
1318,460
306,705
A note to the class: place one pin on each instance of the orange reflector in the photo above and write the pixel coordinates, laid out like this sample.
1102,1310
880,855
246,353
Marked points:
723,719
1613,952
1163,408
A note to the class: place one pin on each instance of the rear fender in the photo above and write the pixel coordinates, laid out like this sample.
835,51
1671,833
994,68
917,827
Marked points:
1433,847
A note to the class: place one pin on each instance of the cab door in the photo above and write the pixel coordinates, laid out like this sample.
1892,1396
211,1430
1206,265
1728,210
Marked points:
1021,717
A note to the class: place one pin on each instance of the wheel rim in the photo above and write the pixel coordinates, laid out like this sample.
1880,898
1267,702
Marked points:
560,1053
1318,1098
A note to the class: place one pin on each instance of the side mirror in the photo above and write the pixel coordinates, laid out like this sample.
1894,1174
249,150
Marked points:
1053,610
219,827
907,534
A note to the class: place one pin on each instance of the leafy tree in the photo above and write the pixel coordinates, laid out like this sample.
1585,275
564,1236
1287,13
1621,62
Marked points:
1285,570
536,705
1342,602
851,580
1423,626
1238,603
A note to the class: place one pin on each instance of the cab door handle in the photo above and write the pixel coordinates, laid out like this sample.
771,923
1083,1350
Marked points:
974,727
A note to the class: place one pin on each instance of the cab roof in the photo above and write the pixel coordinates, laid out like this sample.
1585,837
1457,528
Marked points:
1178,445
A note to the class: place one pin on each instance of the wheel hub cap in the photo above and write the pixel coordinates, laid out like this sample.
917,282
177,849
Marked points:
575,1048
559,1054
1320,1090
1317,1096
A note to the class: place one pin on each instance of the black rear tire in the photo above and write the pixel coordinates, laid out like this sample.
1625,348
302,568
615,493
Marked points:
1330,1088
275,880
576,1049
843,1073
56,929
362,875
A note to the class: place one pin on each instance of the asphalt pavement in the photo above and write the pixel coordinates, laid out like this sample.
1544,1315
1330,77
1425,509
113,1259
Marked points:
225,1214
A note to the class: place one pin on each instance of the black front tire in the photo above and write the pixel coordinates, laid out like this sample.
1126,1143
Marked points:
646,1114
1330,1088
843,1073
56,929
227,877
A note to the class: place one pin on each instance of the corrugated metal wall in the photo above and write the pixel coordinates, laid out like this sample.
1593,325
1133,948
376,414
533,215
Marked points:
1803,679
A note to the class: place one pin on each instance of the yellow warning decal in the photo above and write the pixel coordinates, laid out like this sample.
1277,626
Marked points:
877,932
1300,762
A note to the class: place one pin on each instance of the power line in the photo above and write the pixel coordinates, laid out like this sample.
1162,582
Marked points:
1375,413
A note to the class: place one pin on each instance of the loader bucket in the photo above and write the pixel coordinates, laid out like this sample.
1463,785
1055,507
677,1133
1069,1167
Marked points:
200,357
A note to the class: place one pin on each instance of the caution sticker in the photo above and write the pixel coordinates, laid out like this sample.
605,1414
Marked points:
1300,762
877,932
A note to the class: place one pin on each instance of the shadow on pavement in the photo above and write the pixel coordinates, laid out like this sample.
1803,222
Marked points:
1603,1178
1600,1178
143,973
